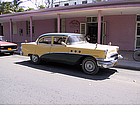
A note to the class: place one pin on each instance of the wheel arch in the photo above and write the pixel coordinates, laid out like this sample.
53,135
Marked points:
86,56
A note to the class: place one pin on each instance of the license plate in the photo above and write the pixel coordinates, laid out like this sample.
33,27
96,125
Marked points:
9,49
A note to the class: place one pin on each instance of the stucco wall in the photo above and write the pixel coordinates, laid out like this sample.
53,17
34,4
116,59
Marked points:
73,24
121,31
6,32
40,27
44,26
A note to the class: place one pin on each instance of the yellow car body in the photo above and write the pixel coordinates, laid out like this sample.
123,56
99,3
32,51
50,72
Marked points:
72,49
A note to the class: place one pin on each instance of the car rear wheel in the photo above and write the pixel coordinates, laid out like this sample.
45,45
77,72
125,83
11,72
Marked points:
90,66
35,59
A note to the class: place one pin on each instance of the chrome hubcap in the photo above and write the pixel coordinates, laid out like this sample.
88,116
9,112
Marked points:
34,58
89,66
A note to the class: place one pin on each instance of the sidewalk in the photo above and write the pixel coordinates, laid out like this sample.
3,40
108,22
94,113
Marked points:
128,62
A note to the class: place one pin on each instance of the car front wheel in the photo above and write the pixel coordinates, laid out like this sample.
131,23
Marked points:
90,66
35,59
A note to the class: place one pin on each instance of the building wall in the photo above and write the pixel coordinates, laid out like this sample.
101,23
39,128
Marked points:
20,33
73,24
44,26
121,31
6,33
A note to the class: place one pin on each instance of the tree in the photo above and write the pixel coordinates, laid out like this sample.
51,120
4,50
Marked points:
5,7
16,6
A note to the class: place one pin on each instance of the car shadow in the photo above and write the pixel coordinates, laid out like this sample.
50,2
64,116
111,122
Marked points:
69,70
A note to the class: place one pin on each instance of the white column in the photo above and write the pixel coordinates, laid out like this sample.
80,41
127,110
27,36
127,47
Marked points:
99,26
31,29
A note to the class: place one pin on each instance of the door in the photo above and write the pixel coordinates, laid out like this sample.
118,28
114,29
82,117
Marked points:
44,45
59,52
92,31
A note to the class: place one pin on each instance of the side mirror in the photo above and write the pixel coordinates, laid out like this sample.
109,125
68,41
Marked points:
63,43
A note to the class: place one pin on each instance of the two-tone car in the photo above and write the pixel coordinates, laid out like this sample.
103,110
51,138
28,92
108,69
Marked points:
73,49
7,47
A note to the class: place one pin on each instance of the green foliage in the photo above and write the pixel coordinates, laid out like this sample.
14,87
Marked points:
41,7
29,9
5,7
10,7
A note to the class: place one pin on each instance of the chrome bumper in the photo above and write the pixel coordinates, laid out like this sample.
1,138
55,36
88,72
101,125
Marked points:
7,51
108,63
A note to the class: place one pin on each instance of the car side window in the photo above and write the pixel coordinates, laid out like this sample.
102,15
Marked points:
58,40
45,40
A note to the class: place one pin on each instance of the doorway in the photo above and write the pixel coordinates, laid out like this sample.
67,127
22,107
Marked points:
1,30
92,32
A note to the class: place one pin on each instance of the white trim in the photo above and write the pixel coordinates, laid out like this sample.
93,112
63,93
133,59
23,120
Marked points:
136,36
85,29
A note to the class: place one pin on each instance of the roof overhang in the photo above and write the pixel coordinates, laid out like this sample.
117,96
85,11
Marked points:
107,8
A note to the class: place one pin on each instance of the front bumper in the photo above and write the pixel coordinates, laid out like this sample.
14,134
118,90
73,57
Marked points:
108,63
8,51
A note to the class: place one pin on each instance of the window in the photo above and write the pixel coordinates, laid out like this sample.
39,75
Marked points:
45,40
93,19
14,28
59,39
66,4
138,28
57,5
83,28
84,2
138,35
138,32
138,17
28,28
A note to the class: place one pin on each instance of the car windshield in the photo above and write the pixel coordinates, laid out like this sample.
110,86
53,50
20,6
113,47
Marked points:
2,38
74,39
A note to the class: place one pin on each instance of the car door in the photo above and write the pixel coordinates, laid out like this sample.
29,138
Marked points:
59,51
43,46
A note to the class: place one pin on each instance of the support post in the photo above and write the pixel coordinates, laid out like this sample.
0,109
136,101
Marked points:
99,26
58,23
31,29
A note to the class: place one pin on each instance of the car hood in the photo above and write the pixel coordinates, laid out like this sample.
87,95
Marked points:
94,46
4,43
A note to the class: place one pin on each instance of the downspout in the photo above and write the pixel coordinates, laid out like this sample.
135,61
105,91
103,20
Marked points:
99,26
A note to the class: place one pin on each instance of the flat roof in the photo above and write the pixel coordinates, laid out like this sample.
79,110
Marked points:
74,10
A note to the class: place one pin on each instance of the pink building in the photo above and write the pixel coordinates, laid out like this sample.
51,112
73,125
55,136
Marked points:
115,21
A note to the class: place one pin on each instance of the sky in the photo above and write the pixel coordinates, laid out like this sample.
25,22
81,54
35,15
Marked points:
31,3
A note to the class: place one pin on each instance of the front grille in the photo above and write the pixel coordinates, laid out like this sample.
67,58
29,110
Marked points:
6,47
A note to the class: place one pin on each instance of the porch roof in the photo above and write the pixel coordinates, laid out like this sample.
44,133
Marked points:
121,7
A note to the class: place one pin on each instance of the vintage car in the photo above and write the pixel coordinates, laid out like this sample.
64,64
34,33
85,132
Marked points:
7,47
71,48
